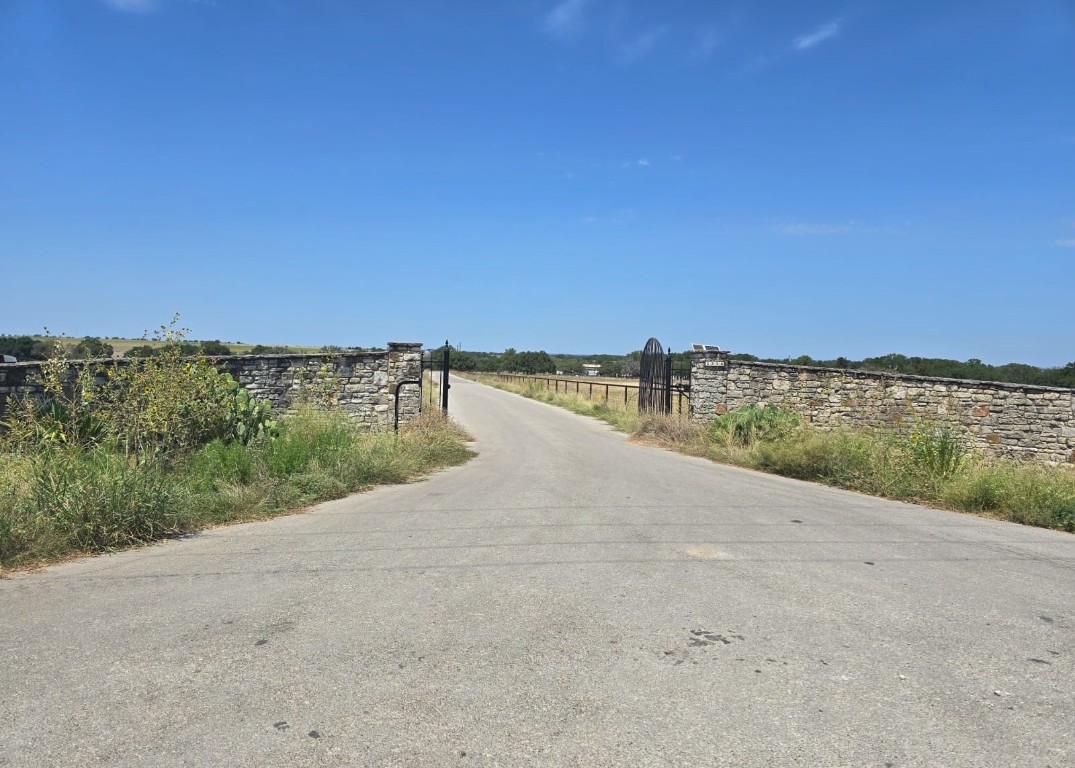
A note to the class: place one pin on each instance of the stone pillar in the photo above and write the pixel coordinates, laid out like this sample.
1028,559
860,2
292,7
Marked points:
405,363
709,384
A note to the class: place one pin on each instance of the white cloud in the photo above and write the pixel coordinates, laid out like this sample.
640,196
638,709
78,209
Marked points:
133,6
643,161
1066,243
819,35
567,19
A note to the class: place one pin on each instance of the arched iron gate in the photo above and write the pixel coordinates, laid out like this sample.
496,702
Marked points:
655,379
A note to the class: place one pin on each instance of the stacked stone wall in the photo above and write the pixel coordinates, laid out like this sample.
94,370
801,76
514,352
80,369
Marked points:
1009,420
362,384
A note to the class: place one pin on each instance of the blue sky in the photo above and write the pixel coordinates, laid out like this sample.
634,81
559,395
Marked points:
782,178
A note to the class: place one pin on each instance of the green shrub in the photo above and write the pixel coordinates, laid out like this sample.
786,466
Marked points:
91,347
65,413
214,347
752,424
155,405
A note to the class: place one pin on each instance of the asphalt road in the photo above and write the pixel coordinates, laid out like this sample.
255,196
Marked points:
564,599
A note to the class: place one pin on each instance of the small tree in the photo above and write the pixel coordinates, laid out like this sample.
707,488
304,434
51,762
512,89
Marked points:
214,347
91,347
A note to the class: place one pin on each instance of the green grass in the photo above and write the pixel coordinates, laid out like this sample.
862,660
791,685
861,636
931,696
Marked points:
63,501
926,465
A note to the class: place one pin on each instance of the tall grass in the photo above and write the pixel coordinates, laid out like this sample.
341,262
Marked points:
80,499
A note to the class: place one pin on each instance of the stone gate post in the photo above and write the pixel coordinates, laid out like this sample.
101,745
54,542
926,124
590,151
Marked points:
405,363
709,384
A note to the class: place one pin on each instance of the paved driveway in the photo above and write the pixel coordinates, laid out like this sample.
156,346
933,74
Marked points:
564,599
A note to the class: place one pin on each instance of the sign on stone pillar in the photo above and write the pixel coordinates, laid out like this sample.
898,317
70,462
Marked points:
709,382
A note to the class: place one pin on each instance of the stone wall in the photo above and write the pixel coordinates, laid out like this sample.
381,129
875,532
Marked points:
1010,420
362,384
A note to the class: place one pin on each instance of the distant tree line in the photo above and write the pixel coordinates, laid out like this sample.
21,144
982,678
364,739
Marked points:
508,361
92,347
628,366
1014,373
29,348
186,348
511,360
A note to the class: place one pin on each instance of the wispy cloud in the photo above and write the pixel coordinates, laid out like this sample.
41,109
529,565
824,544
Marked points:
706,44
811,229
639,47
1066,242
131,6
568,18
818,36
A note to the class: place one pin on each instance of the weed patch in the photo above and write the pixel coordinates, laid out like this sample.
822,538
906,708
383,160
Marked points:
167,445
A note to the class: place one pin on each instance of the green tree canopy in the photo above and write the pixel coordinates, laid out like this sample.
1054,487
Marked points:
214,347
91,347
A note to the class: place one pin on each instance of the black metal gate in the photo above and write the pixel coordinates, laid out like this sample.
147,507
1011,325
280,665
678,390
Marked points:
655,379
435,360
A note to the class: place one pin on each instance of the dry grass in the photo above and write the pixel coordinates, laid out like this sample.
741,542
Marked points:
615,394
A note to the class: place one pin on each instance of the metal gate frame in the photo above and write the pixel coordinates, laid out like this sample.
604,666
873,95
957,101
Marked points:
444,363
655,379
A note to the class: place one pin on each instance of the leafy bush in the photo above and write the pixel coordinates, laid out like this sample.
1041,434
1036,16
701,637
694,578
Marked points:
26,348
752,424
186,349
91,347
65,413
165,404
214,347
